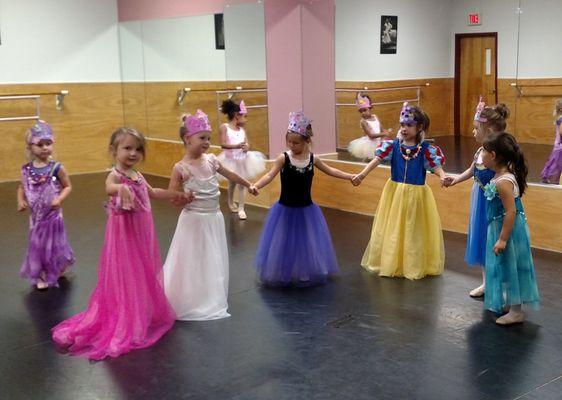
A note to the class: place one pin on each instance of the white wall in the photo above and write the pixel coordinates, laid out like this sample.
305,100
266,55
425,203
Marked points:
540,44
182,49
131,51
424,47
62,41
497,16
244,32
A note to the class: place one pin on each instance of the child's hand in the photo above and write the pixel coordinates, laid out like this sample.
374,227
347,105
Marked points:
448,181
22,205
357,179
245,147
499,247
56,203
180,199
253,190
125,199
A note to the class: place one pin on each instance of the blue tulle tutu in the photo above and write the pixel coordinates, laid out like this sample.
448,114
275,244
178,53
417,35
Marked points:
477,227
510,276
295,247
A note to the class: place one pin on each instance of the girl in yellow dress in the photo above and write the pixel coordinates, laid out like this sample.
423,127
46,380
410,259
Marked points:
406,239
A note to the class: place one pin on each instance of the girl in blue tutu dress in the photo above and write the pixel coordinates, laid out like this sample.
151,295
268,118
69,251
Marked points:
295,246
406,239
510,273
487,120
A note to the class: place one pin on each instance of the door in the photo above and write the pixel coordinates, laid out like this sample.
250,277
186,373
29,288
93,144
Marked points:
475,75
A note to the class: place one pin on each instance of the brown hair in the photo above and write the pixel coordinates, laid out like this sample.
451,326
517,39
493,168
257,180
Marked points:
118,135
497,117
509,153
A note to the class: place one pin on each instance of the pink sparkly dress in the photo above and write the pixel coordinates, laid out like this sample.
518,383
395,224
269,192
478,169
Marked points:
128,309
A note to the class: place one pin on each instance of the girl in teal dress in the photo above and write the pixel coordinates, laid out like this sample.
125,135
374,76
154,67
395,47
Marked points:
510,273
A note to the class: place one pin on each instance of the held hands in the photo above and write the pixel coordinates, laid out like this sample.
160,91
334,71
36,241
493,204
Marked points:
357,179
499,247
253,190
180,199
448,181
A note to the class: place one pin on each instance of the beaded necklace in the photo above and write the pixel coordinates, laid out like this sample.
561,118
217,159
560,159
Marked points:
34,175
407,153
138,180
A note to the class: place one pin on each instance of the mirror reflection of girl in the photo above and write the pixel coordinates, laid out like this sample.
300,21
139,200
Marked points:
487,120
406,239
553,167
237,156
44,186
510,272
196,268
364,147
295,246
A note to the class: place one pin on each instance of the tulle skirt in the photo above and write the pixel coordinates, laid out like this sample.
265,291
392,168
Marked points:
553,167
406,239
49,254
364,147
510,276
295,247
477,228
128,308
196,268
250,165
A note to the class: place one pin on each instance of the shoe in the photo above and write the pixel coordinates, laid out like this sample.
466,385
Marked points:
511,318
233,207
242,215
478,292
42,285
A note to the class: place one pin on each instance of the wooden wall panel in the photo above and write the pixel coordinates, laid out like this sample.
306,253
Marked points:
453,203
436,100
154,107
91,112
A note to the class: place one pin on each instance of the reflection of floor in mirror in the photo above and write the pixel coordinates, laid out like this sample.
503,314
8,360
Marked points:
459,152
359,337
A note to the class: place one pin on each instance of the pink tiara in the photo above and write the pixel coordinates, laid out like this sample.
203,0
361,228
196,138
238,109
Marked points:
298,123
362,102
243,109
196,123
479,108
40,131
407,115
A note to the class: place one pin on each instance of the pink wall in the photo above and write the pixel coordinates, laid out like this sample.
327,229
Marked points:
299,38
130,10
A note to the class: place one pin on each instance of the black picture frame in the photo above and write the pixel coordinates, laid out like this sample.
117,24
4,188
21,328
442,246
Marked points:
219,32
389,34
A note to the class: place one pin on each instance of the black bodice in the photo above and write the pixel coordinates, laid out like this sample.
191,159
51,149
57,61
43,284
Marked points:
296,183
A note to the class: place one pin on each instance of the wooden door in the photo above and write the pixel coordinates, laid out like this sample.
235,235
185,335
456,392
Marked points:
475,75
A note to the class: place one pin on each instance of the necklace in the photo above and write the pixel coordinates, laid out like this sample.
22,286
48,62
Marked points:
409,154
128,176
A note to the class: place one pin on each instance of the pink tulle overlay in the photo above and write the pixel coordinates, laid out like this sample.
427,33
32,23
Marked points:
128,309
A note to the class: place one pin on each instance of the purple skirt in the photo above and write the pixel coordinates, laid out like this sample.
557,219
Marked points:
553,167
295,247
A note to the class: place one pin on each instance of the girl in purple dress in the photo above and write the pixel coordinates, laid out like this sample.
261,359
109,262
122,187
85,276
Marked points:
553,167
44,186
128,308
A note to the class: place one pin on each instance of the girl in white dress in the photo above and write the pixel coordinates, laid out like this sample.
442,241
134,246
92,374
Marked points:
237,155
364,147
196,268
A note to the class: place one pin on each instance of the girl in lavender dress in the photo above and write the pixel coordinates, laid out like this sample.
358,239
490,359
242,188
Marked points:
553,167
44,186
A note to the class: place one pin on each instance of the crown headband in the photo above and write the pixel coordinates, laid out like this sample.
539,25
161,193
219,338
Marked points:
40,131
196,123
407,114
299,123
362,102
479,108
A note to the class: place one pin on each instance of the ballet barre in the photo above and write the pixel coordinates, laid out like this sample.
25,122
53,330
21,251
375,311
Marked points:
230,94
387,89
521,93
35,98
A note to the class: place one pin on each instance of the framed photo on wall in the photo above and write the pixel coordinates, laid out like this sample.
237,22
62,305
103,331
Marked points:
219,32
389,34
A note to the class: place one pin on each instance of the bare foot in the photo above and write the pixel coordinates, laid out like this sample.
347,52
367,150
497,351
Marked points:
233,207
477,292
42,285
242,215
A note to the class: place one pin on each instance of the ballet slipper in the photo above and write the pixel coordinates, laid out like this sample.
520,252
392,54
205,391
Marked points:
242,215
511,318
477,292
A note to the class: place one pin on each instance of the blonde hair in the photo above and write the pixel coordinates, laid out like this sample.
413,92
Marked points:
557,109
118,135
497,117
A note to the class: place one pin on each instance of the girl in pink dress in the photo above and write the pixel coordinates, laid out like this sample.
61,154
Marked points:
128,308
